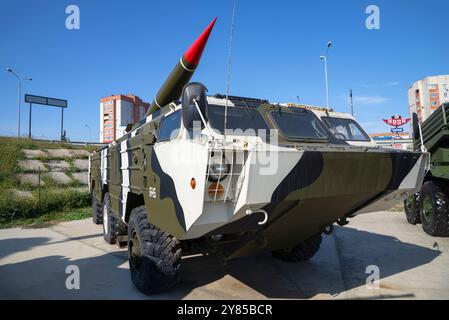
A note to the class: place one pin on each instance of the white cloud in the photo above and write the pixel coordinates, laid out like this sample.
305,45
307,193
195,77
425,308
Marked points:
369,100
368,85
392,83
386,84
365,100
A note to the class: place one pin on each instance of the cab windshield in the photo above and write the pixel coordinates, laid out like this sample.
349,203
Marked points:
299,125
240,121
348,128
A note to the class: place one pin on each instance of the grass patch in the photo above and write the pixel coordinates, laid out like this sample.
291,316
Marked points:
49,218
11,153
12,208
71,163
25,143
53,197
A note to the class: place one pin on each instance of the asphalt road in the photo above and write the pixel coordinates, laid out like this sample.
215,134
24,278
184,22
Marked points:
411,265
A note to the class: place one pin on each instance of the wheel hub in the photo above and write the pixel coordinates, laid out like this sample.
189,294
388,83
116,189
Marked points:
427,207
409,203
134,250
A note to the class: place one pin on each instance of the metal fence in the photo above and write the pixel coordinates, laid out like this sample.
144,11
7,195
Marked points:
77,143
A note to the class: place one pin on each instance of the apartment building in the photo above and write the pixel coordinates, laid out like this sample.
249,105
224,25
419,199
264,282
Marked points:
116,112
426,95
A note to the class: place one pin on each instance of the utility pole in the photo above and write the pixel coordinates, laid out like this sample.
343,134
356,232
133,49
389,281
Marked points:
350,101
29,122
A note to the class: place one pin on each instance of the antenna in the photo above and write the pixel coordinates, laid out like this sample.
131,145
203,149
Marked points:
228,82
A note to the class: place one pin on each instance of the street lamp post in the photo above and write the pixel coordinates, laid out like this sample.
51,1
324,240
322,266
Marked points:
19,89
324,58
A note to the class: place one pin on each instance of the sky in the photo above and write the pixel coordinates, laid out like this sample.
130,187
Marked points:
131,46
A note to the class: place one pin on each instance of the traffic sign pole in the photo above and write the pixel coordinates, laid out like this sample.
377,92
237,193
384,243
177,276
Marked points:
29,123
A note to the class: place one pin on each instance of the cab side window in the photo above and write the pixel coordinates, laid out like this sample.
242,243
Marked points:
170,125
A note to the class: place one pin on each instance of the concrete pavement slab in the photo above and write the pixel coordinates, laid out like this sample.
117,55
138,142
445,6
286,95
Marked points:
31,165
33,263
31,153
20,194
59,153
81,177
58,165
410,265
30,178
81,164
60,178
79,153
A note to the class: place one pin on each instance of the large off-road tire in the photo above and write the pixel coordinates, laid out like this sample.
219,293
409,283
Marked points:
301,252
97,214
434,208
154,255
411,208
110,231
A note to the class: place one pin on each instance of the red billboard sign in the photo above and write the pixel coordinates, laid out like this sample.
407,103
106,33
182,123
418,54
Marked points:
396,121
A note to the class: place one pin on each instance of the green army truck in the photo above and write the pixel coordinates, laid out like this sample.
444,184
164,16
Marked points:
233,176
169,191
430,206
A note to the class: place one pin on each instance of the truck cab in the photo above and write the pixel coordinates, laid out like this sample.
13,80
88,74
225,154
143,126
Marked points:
343,125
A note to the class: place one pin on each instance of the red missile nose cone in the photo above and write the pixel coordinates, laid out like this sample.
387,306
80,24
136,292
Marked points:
193,54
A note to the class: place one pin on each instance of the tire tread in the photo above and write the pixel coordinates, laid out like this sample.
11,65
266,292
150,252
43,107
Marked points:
161,253
438,225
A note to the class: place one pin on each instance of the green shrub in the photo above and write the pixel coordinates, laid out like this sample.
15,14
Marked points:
12,207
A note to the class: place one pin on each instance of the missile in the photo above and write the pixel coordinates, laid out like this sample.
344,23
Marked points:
182,72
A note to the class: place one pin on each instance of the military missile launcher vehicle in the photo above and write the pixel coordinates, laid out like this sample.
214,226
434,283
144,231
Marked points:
430,206
234,176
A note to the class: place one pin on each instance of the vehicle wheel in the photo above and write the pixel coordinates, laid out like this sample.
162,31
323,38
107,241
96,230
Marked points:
301,252
97,215
109,221
154,255
411,208
433,207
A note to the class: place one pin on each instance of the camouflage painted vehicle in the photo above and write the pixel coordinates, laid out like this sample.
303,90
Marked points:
234,176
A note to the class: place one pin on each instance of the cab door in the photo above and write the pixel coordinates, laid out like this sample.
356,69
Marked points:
179,164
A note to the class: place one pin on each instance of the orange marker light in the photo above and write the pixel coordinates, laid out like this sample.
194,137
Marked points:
193,183
216,188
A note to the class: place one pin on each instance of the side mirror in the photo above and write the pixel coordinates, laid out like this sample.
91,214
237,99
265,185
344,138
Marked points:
193,91
415,126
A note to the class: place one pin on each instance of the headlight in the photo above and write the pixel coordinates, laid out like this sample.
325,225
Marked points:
218,169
